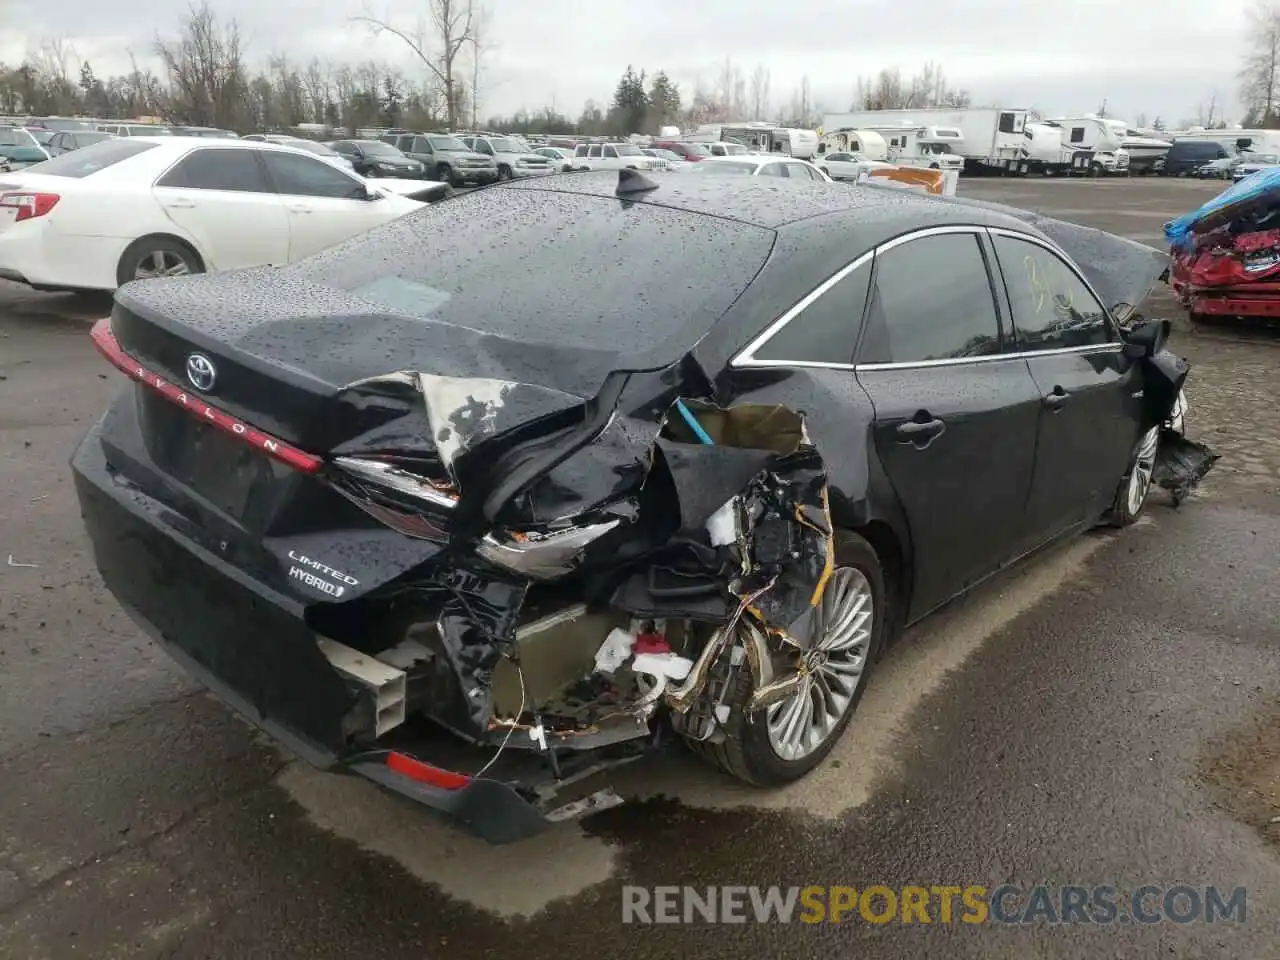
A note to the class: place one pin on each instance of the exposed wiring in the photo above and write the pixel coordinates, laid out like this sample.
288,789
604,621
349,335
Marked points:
510,730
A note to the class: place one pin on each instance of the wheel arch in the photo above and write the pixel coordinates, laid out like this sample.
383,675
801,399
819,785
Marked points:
162,235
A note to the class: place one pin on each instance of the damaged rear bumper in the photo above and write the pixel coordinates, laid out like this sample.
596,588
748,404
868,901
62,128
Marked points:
254,650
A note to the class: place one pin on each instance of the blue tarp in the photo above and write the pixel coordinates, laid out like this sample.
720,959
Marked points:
1263,184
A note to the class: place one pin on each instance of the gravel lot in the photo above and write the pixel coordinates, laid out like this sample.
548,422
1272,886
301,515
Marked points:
1105,714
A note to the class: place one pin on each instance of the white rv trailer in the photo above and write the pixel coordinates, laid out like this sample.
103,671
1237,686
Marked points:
991,139
866,142
937,148
759,136
1094,134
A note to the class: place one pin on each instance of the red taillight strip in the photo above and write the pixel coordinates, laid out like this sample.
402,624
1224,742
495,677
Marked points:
415,769
286,453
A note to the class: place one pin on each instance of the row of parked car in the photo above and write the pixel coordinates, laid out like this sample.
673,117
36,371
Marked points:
1210,160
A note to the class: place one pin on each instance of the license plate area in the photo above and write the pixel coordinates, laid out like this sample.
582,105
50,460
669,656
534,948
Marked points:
234,477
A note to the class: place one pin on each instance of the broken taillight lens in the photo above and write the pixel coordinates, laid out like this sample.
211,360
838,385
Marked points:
399,492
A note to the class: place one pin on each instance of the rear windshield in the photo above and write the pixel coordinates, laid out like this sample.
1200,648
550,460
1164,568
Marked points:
730,167
90,159
376,148
13,137
635,280
319,149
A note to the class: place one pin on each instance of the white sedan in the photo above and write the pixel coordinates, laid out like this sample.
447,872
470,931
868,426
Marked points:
849,166
143,207
760,165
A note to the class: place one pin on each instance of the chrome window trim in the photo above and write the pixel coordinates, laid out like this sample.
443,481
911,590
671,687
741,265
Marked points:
991,358
746,356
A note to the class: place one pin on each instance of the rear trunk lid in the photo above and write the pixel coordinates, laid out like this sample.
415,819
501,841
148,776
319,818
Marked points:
309,364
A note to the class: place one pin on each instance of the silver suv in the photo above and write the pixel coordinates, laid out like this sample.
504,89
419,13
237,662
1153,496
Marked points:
513,160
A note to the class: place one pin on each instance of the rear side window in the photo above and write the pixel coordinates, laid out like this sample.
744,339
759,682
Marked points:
234,170
931,301
97,156
1052,308
826,330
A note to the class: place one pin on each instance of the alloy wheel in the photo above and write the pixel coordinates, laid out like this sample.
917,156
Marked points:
831,670
1143,465
161,263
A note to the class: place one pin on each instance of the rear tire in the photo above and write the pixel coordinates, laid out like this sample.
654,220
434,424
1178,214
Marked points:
748,751
157,256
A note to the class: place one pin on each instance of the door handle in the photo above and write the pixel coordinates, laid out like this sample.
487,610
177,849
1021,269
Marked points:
920,431
179,203
1055,401
299,208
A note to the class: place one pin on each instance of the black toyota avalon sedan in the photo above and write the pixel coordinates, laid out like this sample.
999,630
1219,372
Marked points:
480,512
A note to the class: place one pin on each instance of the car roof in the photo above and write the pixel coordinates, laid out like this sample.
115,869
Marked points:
872,213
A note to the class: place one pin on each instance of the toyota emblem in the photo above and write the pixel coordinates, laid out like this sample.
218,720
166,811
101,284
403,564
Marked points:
201,372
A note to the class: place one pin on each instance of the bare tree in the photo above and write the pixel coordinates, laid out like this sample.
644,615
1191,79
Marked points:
206,72
1209,113
479,47
1260,75
53,61
437,41
760,82
317,82
730,91
802,104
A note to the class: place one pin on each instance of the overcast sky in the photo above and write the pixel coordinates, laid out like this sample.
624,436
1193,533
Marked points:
1153,57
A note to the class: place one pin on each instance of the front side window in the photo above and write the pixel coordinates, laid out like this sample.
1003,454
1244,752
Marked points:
931,300
610,152
826,330
1052,308
594,152
235,170
1007,123
300,176
800,171
773,170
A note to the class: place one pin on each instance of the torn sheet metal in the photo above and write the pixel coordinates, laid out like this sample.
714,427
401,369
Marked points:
476,628
464,411
1180,464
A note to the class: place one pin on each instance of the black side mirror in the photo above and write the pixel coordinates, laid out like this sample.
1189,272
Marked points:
1146,339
